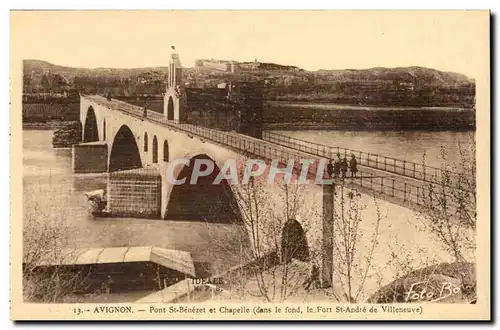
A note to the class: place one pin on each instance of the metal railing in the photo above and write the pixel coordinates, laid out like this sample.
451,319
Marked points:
371,160
394,187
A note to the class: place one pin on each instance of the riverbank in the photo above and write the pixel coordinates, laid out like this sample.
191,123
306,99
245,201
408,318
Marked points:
374,127
50,111
49,125
334,106
360,118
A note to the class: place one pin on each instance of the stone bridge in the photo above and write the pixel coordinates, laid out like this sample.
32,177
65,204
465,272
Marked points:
136,146
135,152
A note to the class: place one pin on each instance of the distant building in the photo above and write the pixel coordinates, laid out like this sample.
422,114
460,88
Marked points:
406,85
219,65
233,66
250,65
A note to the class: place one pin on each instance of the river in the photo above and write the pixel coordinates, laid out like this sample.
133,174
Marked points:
405,145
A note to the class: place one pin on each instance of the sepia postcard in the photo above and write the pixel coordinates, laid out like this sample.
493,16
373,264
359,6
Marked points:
250,165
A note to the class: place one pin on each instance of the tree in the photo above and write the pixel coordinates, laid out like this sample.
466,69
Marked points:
449,210
354,261
272,265
278,277
45,83
45,241
448,216
450,204
277,263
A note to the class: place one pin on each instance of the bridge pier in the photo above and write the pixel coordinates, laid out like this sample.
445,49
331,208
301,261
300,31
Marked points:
135,193
90,157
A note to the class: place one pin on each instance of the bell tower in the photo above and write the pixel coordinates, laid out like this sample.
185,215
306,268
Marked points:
175,96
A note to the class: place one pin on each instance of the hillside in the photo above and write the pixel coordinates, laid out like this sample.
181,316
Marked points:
408,86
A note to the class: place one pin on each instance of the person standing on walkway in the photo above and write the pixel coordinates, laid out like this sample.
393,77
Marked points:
353,165
343,167
336,167
145,111
330,169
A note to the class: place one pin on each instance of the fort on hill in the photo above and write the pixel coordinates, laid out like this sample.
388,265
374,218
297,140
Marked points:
234,66
232,106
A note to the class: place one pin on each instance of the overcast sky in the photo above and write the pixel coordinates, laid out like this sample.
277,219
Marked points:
448,41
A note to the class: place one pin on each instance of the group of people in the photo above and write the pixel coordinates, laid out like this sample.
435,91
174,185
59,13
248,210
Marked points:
339,167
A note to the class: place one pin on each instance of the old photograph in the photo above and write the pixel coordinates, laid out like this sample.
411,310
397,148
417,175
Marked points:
250,164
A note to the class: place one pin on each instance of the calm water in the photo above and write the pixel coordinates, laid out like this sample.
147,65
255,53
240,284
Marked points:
404,145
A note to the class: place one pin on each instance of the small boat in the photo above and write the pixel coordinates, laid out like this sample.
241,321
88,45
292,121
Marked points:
97,202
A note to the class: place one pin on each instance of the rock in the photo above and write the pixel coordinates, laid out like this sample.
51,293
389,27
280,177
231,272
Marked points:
441,283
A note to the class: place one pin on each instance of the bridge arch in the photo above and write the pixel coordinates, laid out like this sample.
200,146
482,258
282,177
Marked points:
90,130
155,150
170,108
124,151
203,201
294,242
165,151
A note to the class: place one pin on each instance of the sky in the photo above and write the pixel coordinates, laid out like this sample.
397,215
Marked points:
449,41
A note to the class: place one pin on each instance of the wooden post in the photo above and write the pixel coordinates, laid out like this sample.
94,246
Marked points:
328,231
